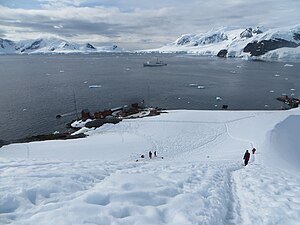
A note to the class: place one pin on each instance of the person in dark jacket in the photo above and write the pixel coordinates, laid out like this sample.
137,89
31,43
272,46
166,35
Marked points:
246,157
150,154
253,151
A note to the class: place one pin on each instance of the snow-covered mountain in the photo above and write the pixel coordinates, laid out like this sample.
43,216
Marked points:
51,45
282,43
7,46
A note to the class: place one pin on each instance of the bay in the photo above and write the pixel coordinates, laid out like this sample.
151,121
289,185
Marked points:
36,88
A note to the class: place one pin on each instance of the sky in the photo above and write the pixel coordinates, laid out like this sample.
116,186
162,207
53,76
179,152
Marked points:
137,24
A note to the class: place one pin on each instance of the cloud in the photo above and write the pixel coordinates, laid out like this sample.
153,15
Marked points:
61,3
58,26
142,24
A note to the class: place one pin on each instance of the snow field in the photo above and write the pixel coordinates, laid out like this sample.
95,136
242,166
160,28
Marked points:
199,180
151,192
268,195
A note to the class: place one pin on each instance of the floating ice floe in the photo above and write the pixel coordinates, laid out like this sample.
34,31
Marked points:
61,71
292,89
127,69
239,66
48,74
24,110
216,105
85,82
178,98
292,94
218,98
193,85
266,106
283,94
286,78
201,87
272,91
95,86
276,75
288,65
233,71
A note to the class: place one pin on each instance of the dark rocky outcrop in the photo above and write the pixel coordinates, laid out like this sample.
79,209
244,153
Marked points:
88,45
193,40
262,47
249,32
100,122
296,36
257,31
43,137
2,143
34,45
215,38
5,41
222,53
246,33
183,41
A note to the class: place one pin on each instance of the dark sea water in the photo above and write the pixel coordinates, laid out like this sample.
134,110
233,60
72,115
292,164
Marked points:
35,88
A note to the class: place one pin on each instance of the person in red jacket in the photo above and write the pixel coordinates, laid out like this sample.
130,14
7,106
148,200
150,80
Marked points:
246,157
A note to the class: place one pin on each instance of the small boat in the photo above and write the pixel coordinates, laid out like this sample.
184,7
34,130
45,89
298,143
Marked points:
154,64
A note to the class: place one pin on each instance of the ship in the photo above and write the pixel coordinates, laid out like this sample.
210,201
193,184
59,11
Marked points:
154,64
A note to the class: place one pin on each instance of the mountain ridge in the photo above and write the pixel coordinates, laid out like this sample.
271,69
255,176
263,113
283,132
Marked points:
51,45
257,43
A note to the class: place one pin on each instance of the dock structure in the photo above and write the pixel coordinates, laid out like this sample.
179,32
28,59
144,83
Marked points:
120,111
291,102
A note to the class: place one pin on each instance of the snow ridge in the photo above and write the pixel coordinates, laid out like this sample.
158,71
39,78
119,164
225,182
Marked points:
195,40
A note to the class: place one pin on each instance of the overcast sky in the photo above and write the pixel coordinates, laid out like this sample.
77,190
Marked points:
137,24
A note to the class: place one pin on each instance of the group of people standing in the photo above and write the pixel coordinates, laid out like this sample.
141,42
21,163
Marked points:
247,156
151,155
154,154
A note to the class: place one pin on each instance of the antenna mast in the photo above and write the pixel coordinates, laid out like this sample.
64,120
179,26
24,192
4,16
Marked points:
75,104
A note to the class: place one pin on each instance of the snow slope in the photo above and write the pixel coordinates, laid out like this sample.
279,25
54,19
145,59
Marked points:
276,44
199,180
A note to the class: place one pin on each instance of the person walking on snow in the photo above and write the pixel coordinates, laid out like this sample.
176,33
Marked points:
155,154
150,154
253,151
246,157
